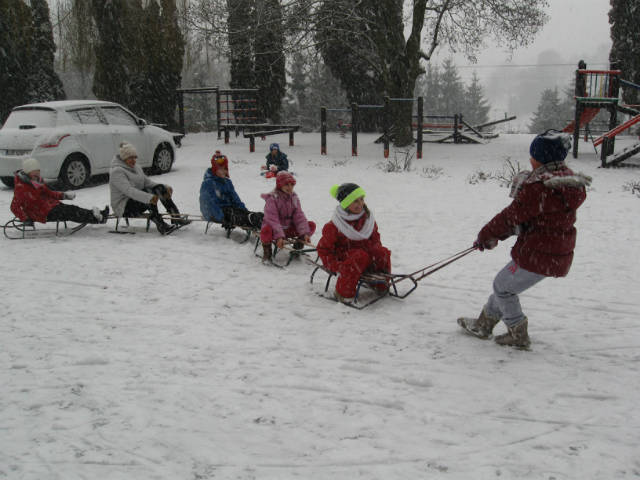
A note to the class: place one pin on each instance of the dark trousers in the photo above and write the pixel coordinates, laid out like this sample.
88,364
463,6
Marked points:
241,218
133,208
71,213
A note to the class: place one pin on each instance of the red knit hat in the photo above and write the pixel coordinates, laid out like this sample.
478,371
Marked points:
284,178
219,160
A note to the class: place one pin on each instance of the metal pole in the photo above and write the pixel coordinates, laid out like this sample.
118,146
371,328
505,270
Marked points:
385,120
354,129
323,130
420,114
226,138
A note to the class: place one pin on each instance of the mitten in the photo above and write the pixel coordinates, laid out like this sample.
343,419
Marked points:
69,195
273,168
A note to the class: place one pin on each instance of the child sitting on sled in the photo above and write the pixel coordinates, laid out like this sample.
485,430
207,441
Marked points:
36,202
350,243
276,161
542,215
219,201
283,216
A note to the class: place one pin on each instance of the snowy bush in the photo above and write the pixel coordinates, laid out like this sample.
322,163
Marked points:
401,161
479,176
509,170
432,172
633,187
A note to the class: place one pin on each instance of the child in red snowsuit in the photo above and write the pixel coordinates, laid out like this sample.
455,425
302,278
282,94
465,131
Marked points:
350,243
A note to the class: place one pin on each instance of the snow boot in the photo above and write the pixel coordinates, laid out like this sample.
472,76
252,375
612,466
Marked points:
298,245
105,214
481,327
341,299
267,253
516,336
255,219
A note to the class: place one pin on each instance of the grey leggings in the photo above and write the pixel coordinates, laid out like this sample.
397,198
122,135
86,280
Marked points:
509,282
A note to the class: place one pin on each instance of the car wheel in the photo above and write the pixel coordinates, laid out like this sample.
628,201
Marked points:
8,181
163,158
75,171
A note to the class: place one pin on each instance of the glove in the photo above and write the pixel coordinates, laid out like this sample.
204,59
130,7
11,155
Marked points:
69,195
489,244
154,200
273,168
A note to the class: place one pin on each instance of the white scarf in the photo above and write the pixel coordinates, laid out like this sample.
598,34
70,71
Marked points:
341,217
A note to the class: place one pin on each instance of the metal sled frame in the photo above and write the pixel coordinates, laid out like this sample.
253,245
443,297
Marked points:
27,229
293,252
370,280
248,231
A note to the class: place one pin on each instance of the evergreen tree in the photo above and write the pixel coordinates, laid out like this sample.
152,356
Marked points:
476,109
624,18
269,66
173,45
428,86
111,80
549,114
43,82
241,43
451,89
15,46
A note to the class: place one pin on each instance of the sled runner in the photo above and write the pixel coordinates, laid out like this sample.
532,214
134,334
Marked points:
16,229
185,220
246,231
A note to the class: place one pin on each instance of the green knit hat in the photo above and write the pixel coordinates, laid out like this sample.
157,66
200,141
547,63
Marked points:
347,193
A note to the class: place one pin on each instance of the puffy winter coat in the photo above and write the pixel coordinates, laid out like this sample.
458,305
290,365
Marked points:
544,211
32,201
126,183
334,246
282,211
280,161
215,194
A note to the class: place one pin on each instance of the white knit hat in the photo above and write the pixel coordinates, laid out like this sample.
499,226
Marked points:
30,164
127,150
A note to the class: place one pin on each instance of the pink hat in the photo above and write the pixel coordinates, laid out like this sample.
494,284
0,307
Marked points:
284,178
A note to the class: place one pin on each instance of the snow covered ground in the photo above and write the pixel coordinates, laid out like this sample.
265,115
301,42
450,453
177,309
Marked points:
183,357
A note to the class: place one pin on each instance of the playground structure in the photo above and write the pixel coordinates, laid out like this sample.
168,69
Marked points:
596,90
441,128
237,110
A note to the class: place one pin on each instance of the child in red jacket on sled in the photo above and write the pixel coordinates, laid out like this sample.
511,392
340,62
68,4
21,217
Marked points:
542,215
350,243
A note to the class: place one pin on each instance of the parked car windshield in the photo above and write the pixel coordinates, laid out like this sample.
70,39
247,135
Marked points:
118,116
31,118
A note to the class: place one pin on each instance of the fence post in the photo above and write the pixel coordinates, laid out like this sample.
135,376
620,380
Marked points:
456,138
419,131
323,130
354,129
252,144
181,112
291,138
226,138
385,122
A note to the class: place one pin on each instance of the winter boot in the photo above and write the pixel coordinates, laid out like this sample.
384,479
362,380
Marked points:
516,336
255,219
298,245
481,327
163,227
105,214
341,299
267,254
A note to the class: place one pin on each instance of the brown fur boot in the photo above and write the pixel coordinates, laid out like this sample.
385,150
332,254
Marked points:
516,336
481,327
266,252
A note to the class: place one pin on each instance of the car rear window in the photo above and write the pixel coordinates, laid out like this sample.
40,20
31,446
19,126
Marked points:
31,118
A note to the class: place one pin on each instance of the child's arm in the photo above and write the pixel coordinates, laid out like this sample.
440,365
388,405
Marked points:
272,218
300,221
235,199
327,247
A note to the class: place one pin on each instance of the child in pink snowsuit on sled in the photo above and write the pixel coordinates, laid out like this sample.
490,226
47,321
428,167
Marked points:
350,243
283,216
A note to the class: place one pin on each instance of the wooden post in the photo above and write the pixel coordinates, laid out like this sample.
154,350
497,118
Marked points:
576,128
456,137
419,131
181,112
354,129
386,114
226,135
580,91
291,138
323,130
252,144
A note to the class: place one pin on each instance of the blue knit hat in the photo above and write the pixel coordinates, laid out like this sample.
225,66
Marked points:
274,145
550,146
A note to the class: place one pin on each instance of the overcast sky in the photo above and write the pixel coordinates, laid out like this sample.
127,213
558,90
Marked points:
577,29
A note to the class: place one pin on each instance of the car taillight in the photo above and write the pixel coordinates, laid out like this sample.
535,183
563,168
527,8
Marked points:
52,143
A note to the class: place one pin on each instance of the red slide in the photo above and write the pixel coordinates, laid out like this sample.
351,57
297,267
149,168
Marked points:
587,115
620,128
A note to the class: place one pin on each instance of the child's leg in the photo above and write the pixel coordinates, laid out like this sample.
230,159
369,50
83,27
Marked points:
72,213
266,234
381,260
504,302
349,272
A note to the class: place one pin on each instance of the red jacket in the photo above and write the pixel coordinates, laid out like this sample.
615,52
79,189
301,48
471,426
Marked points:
33,201
543,214
334,246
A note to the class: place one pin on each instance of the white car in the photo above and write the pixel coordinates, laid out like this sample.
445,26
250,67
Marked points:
75,139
